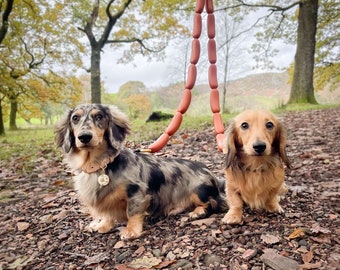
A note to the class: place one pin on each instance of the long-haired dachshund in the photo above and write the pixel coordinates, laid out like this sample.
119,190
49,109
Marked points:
255,142
118,184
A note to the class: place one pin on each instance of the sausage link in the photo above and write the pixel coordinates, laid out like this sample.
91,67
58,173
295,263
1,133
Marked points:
192,73
174,124
212,51
197,28
199,6
185,102
221,142
195,51
218,123
211,26
212,76
215,101
209,6
159,143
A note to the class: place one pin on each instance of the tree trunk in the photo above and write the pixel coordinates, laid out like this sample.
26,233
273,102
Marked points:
302,90
95,76
2,126
13,115
5,15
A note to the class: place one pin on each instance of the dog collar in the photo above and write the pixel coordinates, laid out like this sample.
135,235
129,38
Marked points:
95,165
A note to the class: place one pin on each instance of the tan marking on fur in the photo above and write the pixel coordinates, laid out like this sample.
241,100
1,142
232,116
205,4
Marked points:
115,204
200,207
109,210
257,181
134,227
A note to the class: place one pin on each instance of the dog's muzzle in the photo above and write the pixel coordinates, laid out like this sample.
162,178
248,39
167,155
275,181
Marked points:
85,137
259,147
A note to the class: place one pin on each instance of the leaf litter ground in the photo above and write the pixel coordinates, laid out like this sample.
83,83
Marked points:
42,223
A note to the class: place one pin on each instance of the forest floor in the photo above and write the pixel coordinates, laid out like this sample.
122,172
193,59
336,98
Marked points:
42,223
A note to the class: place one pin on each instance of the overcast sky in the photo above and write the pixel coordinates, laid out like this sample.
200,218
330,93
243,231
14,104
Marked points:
159,73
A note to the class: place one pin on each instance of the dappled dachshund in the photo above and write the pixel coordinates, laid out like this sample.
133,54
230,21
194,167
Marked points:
118,184
256,154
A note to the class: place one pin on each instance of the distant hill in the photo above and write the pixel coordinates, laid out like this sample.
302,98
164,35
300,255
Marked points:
265,90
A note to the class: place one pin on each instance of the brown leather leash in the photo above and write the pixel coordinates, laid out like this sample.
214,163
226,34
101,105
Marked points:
191,79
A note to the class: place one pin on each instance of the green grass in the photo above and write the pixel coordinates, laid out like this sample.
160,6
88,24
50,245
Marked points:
142,132
26,145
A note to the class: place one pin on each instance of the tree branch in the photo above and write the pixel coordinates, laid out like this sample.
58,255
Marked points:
246,30
112,20
34,63
140,41
273,8
88,29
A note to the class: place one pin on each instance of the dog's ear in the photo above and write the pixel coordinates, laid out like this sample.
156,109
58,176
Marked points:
64,136
280,142
119,127
230,141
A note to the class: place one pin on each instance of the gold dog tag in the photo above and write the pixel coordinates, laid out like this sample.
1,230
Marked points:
103,179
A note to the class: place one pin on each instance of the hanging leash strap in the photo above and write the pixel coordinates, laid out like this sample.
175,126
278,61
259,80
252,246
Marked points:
191,79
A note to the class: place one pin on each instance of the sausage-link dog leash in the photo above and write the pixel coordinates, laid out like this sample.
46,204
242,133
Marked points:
191,79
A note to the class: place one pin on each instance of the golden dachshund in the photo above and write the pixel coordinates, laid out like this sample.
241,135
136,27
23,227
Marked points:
118,184
255,144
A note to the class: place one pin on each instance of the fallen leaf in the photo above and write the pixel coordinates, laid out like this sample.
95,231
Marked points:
316,228
59,182
307,257
119,244
19,263
145,262
122,267
333,216
296,233
164,264
96,259
46,219
321,239
214,233
270,239
310,265
61,215
249,253
271,258
22,226
139,250
205,221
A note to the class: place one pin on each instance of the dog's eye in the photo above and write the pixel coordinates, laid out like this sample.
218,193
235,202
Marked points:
244,125
269,125
75,118
99,117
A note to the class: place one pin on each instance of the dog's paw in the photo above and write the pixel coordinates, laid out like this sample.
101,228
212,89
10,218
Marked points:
199,212
128,234
100,226
275,208
232,218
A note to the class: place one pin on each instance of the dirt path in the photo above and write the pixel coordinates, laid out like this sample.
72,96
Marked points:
42,223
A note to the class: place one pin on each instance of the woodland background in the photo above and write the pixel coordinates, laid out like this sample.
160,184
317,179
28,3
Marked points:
52,53
52,56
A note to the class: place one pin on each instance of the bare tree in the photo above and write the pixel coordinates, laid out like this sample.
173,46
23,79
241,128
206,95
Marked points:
302,90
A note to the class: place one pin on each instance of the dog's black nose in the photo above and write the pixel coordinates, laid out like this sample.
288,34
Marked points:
259,147
85,137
